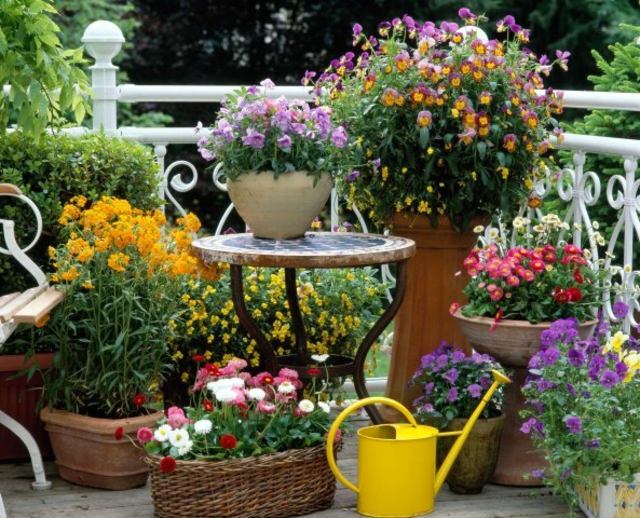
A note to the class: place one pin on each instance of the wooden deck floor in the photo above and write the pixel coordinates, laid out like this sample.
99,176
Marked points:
67,500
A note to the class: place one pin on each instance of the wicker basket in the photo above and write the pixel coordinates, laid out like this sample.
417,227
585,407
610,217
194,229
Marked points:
283,484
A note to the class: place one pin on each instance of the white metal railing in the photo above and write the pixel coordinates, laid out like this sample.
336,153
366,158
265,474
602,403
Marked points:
581,190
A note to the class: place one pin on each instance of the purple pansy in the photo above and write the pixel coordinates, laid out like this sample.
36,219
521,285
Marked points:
353,175
620,309
609,379
573,423
576,356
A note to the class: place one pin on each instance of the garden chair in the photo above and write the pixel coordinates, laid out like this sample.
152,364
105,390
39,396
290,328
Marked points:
28,307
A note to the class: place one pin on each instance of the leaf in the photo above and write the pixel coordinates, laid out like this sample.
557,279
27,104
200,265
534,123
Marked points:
482,149
424,137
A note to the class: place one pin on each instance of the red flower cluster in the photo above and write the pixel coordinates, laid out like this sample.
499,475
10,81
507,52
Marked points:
138,400
228,441
562,296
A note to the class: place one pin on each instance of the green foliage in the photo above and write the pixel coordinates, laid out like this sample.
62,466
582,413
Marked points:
46,80
55,169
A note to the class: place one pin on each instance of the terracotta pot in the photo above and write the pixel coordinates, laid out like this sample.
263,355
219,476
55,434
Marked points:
432,285
479,455
279,208
88,454
19,398
513,343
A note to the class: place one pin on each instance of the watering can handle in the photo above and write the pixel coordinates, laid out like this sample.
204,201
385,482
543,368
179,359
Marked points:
342,416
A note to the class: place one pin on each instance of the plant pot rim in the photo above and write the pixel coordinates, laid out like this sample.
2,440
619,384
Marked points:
507,322
103,425
16,362
500,417
307,172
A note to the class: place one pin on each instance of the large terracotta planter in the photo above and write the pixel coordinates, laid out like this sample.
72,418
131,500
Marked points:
478,458
512,343
279,208
432,285
88,453
19,398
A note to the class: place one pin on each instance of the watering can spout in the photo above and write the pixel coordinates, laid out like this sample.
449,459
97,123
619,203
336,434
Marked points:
499,378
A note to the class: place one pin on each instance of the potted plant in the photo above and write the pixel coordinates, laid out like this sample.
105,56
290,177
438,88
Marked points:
121,272
447,128
246,448
514,293
279,156
451,383
582,410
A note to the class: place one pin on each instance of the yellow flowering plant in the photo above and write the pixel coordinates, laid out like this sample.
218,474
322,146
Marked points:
338,307
121,270
444,121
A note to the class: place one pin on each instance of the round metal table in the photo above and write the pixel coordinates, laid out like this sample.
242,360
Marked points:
314,250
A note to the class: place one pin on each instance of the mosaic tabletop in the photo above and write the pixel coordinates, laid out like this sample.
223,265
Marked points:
314,250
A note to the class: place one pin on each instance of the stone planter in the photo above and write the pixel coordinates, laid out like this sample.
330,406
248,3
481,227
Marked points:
613,500
512,343
19,398
478,458
88,454
423,320
279,208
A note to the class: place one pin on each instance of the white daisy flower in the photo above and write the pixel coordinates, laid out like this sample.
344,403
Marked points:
320,358
183,450
324,407
225,395
178,438
236,383
306,406
162,433
202,427
256,394
286,387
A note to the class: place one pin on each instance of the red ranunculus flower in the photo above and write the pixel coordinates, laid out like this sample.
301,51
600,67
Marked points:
228,441
198,358
212,369
167,464
267,380
560,296
313,371
138,400
575,295
577,276
207,405
119,433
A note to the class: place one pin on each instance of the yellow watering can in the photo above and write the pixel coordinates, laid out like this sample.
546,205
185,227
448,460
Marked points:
397,462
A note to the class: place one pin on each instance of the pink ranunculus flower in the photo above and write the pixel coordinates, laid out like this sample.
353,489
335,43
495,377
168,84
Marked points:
496,294
173,410
289,374
177,420
144,435
265,407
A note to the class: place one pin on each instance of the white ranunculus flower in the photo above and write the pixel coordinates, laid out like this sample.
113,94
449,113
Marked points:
236,383
186,448
320,358
306,406
224,383
225,395
202,427
256,394
162,433
286,387
178,438
324,407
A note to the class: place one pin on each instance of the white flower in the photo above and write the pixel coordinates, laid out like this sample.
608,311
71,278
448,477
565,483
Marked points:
202,427
286,387
306,406
178,438
236,383
256,394
324,407
225,395
225,383
186,448
478,229
493,233
320,358
162,433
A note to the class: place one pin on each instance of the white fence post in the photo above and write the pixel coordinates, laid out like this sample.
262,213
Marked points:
103,41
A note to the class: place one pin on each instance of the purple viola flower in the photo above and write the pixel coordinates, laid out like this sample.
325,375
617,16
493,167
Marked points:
206,154
475,390
353,176
427,360
308,77
451,375
458,356
339,137
375,164
573,423
267,84
620,309
428,388
571,389
357,29
576,356
224,130
528,425
253,139
621,369
284,142
442,361
466,14
543,385
563,58
537,473
609,379
427,407
452,395
592,443
550,356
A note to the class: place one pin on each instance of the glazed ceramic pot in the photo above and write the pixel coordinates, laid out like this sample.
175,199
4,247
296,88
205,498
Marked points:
513,343
615,499
88,453
478,458
282,207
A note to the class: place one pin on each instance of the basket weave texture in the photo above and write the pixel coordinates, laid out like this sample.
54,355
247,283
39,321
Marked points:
278,485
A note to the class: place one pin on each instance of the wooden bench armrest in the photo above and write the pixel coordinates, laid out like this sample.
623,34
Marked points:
8,310
37,311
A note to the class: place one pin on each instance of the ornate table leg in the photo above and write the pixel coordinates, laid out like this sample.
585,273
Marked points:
296,316
267,354
373,335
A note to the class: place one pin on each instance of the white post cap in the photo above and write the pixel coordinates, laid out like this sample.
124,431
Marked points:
103,40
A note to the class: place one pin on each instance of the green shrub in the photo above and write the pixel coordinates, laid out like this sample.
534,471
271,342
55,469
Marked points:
50,172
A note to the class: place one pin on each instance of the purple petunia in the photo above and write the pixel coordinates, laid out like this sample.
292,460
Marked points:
253,139
475,390
451,375
284,142
339,137
573,423
458,356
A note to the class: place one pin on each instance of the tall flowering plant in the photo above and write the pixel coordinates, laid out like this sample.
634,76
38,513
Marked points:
443,120
538,278
237,415
254,132
582,405
121,270
452,384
